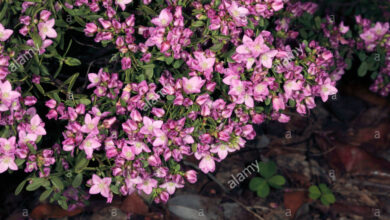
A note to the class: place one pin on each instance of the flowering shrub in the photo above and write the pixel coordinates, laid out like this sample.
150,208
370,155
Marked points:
183,78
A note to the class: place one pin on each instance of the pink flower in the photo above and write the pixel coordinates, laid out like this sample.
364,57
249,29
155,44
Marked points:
327,89
148,185
46,29
380,29
7,147
36,126
123,3
90,125
266,58
89,144
164,19
222,150
204,64
368,36
139,146
161,140
5,33
237,12
100,185
127,153
90,29
193,85
291,86
207,164
171,187
237,88
253,47
7,96
191,176
343,29
278,103
7,162
283,118
150,126
126,63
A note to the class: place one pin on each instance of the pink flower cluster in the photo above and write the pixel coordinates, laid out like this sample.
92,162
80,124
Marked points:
223,73
377,37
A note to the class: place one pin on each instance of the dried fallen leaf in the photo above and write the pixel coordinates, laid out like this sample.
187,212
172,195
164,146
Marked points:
294,200
135,205
52,211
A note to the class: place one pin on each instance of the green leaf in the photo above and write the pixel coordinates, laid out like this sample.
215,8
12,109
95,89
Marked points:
267,101
216,47
37,39
178,63
114,189
324,189
40,88
45,194
57,182
255,183
277,181
197,24
77,180
72,80
20,187
317,21
170,97
168,60
362,71
263,189
362,56
36,183
149,70
314,192
267,169
63,204
81,164
70,61
19,161
329,197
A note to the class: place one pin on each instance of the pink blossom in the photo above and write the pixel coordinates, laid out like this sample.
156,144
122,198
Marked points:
266,58
90,125
123,3
161,138
278,103
327,89
128,153
164,19
193,85
238,12
139,146
46,29
150,126
343,29
5,33
7,96
171,187
222,150
191,176
36,126
207,164
204,64
147,185
89,144
7,162
100,185
7,147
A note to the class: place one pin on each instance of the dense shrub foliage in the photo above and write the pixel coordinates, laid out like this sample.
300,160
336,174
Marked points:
178,78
